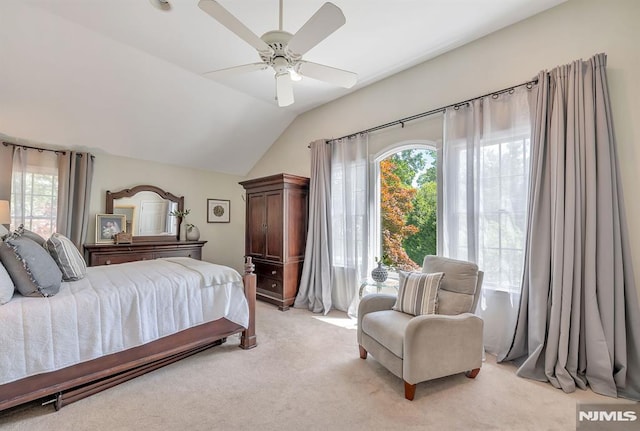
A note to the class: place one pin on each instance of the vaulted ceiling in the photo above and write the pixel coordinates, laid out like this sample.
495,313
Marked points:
124,77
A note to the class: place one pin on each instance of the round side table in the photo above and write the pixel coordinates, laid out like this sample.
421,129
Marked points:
370,286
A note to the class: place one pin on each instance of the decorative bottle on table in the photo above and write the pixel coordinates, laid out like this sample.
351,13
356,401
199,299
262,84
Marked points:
380,273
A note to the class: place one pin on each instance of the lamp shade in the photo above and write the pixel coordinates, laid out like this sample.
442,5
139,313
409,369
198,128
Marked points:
5,214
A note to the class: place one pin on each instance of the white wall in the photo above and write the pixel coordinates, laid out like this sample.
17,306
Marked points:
225,240
573,30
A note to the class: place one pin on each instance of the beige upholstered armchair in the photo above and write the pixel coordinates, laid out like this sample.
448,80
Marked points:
427,346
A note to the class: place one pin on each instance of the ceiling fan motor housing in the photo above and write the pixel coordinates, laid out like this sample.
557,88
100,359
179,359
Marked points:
281,59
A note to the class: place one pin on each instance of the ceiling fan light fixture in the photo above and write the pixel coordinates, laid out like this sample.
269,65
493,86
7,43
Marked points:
295,76
284,89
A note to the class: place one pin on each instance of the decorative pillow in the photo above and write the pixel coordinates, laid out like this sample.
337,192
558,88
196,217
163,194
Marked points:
32,269
33,236
6,286
67,256
418,292
21,231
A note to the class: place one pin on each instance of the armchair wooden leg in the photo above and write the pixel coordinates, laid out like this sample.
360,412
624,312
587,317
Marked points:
473,373
363,352
409,391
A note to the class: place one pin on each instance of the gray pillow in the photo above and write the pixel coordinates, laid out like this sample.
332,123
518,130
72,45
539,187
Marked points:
21,231
67,256
6,286
32,269
34,236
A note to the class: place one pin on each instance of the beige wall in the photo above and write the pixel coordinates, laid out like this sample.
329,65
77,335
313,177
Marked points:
225,240
573,30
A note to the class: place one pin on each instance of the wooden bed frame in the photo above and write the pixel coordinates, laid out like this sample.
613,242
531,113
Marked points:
73,383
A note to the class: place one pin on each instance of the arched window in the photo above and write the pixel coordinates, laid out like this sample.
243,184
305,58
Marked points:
405,204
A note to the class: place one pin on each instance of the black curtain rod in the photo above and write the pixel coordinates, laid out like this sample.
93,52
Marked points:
6,144
495,94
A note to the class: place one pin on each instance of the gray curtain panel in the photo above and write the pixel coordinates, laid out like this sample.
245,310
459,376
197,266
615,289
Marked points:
75,174
579,317
315,283
6,161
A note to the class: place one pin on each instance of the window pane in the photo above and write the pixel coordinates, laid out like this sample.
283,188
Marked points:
502,208
510,269
408,207
34,199
490,230
513,230
42,184
491,266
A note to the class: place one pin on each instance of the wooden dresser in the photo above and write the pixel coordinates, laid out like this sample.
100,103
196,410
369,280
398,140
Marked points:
276,232
107,254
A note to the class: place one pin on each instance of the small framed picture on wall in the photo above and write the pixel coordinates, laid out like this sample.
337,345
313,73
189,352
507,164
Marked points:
218,210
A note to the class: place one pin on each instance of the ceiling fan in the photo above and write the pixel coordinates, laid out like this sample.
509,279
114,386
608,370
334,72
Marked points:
283,51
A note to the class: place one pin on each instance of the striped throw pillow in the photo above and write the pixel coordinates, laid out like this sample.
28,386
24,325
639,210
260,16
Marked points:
418,292
67,256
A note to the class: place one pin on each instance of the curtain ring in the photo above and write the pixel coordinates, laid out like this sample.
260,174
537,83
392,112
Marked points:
494,96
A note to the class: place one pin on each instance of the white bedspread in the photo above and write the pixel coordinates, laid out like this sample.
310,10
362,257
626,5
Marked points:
112,309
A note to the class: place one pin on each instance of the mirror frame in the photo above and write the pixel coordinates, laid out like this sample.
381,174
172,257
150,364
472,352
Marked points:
127,193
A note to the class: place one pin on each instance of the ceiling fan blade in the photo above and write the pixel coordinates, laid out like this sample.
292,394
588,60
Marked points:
225,18
236,70
284,89
325,21
328,74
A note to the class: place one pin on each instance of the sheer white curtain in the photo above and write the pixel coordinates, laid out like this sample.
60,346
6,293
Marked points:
485,170
349,219
34,190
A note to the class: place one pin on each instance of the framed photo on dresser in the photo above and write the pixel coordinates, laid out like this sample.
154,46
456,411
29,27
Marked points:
108,225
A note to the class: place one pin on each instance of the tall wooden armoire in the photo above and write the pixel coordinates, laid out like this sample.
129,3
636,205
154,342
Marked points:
276,233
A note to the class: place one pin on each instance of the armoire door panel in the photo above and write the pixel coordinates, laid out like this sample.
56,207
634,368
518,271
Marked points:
274,215
256,225
297,224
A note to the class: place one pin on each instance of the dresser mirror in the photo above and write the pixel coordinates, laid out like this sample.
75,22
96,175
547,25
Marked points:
148,212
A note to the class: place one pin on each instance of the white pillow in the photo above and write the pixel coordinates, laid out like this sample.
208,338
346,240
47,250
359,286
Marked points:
6,286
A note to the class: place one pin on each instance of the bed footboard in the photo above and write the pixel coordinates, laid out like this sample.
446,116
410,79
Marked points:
248,337
73,383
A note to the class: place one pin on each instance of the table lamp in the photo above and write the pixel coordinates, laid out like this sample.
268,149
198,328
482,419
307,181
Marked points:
5,216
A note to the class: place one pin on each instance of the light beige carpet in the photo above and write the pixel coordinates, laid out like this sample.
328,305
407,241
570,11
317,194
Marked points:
306,374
